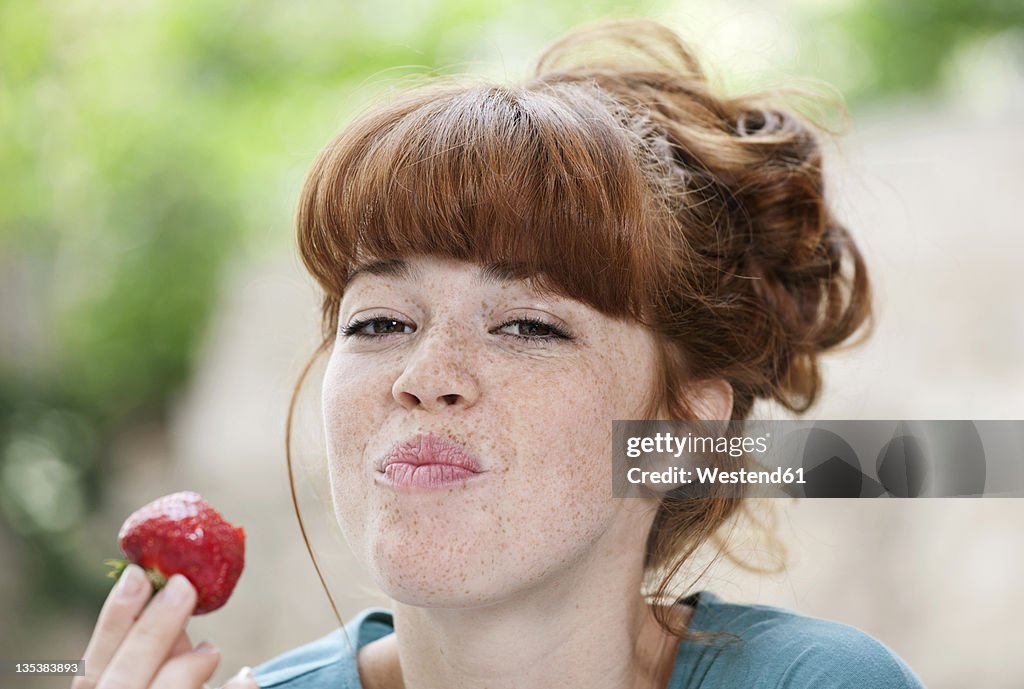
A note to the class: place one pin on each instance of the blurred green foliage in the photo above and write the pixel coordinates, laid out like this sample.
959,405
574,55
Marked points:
143,147
904,47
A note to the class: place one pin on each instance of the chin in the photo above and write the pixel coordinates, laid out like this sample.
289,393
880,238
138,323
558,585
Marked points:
435,584
443,572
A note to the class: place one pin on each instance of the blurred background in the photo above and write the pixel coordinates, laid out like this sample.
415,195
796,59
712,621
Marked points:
154,316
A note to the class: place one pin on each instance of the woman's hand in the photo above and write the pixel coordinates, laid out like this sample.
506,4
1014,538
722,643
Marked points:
140,646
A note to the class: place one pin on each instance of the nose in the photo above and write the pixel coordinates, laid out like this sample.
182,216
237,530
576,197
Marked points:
438,374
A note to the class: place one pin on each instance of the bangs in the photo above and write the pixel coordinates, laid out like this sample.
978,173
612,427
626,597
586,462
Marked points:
540,183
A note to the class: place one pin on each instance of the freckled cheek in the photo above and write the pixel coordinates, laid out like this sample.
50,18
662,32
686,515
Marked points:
566,438
352,396
352,414
570,481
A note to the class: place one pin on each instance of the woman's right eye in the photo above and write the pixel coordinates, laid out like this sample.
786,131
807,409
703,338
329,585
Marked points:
379,326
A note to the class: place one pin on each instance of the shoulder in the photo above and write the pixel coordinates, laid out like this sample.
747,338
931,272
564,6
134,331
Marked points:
327,662
810,652
775,647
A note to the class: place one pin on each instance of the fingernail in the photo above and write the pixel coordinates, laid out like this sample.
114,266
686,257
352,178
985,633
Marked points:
131,582
245,674
205,647
176,590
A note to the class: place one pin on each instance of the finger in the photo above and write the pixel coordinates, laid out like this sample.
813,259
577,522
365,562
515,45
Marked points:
181,645
189,670
125,601
243,680
148,643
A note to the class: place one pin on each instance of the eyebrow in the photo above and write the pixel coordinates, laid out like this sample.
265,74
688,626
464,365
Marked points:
491,273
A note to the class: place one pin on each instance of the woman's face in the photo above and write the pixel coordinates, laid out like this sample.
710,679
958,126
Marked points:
527,385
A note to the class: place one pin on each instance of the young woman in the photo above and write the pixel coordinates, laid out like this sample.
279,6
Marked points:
505,271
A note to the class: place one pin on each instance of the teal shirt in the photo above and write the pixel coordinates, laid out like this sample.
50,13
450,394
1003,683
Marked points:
778,649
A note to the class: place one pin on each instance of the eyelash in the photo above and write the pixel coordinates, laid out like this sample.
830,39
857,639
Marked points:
352,329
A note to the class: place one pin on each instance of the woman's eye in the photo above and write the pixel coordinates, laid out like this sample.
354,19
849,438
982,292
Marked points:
534,331
378,326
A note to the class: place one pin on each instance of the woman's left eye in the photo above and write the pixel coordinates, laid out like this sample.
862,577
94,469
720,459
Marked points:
535,331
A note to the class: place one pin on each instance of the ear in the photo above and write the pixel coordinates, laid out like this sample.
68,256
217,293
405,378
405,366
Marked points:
710,398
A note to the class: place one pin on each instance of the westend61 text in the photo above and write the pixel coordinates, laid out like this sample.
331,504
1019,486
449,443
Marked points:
705,475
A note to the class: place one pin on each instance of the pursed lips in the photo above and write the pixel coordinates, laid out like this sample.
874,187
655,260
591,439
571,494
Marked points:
428,448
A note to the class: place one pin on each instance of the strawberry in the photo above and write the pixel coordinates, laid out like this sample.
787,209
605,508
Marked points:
182,534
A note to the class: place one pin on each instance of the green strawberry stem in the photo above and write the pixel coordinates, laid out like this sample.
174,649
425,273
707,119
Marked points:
118,567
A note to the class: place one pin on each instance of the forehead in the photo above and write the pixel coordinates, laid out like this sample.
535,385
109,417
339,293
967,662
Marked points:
415,269
411,270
